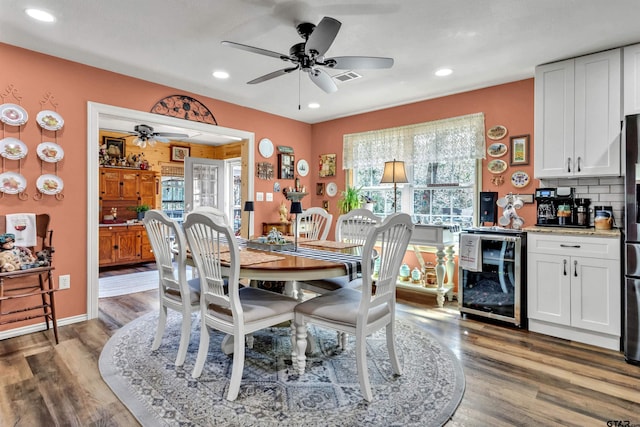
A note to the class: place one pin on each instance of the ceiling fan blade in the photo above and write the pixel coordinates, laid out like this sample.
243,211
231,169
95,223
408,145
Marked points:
272,75
358,62
323,36
256,50
170,135
323,80
158,139
129,133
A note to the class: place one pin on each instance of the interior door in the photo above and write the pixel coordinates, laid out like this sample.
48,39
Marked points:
204,184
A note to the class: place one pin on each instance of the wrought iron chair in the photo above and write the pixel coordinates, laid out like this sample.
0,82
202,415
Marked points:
360,313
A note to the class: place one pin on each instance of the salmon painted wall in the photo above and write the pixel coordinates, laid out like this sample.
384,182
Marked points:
72,85
510,105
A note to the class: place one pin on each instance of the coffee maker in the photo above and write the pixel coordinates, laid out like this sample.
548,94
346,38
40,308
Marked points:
557,207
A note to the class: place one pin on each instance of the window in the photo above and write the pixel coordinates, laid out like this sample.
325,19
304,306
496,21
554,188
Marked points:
442,161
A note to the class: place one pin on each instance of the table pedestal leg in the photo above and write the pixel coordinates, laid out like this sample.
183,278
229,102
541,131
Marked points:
451,266
440,271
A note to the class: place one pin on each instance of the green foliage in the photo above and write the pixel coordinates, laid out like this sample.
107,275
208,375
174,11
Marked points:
351,199
139,208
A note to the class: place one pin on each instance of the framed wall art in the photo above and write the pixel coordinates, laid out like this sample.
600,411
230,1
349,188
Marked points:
115,147
320,189
519,150
178,153
286,166
327,165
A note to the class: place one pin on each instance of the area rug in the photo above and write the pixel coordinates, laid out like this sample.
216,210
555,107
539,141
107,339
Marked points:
272,393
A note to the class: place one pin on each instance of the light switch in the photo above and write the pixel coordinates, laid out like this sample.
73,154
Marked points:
259,196
269,197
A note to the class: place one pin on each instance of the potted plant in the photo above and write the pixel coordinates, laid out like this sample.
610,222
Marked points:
140,210
351,199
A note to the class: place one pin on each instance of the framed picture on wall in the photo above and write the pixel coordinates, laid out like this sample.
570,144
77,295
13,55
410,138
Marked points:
327,165
115,147
519,150
320,189
178,153
286,166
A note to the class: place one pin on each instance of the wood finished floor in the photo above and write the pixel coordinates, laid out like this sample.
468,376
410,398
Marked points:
513,377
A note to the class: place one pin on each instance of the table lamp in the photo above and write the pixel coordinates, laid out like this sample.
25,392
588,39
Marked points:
296,208
394,173
248,207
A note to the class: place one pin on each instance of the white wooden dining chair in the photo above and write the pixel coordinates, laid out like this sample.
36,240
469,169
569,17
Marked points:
314,223
360,313
232,310
175,291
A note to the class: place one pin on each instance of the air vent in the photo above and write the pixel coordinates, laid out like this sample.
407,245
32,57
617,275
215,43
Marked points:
346,76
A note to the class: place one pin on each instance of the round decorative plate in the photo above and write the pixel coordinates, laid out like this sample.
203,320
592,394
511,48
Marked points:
497,132
12,183
519,179
497,149
49,184
50,152
265,147
302,167
497,166
13,149
332,189
13,114
50,120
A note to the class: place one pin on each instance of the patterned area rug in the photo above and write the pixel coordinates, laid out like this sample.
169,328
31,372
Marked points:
271,393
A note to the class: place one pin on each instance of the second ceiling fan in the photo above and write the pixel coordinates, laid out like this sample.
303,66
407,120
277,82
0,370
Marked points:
308,56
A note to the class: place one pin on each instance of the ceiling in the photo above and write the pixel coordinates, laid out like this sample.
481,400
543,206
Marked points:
485,42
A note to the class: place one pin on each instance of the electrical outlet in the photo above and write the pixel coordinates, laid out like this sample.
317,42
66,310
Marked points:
64,282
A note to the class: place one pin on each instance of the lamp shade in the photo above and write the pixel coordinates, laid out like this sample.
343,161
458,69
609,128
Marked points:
296,208
248,206
394,173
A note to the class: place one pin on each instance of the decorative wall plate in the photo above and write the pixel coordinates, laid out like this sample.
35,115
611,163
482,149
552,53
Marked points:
265,147
13,114
332,189
497,149
13,149
49,184
497,132
302,167
497,166
12,183
50,120
519,179
50,152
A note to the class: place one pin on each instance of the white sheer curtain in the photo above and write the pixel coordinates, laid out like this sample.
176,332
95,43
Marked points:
451,139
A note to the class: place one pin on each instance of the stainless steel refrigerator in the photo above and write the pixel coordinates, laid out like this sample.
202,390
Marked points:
632,241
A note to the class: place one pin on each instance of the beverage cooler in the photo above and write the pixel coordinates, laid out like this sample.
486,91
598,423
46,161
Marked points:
492,274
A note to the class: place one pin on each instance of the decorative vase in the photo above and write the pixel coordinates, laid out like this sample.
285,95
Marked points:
368,206
405,272
140,216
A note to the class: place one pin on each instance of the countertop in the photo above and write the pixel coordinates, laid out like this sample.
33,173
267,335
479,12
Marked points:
615,232
120,224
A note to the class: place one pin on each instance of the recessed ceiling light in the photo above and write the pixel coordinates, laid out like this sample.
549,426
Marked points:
442,72
40,15
220,74
314,105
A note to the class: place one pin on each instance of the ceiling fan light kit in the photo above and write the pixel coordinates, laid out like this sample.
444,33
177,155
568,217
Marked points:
145,135
308,56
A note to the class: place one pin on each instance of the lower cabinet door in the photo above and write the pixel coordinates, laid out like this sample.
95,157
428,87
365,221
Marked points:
595,295
128,246
549,288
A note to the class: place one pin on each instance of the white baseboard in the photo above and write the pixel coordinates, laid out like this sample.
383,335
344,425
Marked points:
40,327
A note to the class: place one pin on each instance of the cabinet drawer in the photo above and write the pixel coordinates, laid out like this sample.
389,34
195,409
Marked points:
562,244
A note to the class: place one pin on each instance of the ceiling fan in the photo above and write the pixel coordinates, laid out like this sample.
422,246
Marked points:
308,56
145,135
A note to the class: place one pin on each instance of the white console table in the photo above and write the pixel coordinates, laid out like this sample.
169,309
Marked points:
443,238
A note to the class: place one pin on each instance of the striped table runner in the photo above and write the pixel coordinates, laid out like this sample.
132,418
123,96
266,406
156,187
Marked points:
352,263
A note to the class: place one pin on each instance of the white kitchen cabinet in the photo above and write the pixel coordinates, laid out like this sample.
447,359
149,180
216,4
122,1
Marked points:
577,116
574,288
631,91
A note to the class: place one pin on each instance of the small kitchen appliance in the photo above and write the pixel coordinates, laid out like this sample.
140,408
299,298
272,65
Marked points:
557,207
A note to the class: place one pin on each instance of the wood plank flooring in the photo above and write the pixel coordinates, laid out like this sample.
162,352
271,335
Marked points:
513,377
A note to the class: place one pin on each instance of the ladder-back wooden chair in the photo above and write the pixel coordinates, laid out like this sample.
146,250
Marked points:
29,293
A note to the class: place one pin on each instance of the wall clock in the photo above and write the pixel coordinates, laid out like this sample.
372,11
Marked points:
265,147
302,167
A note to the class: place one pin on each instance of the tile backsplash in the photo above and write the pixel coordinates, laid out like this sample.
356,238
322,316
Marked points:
607,191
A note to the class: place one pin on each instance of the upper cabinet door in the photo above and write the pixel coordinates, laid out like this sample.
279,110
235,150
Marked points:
578,116
632,80
554,119
598,91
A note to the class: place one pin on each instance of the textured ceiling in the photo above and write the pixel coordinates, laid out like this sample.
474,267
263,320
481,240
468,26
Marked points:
177,43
